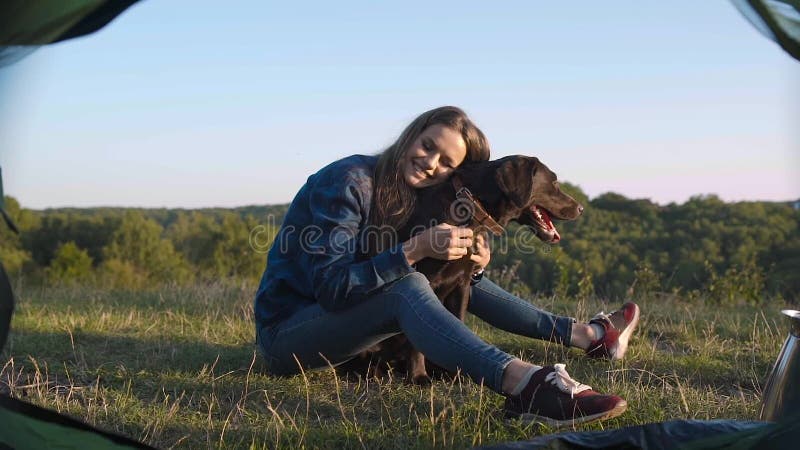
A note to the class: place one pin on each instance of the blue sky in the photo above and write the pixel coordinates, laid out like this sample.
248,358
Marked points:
190,104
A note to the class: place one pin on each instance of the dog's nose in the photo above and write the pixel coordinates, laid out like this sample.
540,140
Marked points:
580,209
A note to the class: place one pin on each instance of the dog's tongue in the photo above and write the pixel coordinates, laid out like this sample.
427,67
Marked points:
549,223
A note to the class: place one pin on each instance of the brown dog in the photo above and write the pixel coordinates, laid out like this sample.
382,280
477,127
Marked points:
484,196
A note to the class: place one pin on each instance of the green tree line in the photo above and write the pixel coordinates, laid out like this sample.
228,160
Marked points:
137,248
622,247
619,247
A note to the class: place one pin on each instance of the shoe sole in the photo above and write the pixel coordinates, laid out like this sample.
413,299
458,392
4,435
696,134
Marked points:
555,423
622,340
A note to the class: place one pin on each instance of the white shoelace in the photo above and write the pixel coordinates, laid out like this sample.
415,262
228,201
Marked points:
602,315
561,379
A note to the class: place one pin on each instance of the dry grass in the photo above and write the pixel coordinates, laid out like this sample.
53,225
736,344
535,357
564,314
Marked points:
177,367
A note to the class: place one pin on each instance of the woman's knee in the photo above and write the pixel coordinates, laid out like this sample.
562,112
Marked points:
415,279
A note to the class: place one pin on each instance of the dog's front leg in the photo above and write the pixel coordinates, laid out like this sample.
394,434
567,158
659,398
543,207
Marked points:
416,367
457,300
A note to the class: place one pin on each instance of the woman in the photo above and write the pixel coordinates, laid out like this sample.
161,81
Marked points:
321,303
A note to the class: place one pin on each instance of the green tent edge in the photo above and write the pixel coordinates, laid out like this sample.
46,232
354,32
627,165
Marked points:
29,426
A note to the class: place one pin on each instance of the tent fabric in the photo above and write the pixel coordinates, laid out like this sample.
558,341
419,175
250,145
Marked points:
778,20
654,436
781,435
6,217
25,24
26,426
6,306
674,434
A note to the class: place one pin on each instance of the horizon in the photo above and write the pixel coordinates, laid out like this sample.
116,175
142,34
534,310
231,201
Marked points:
791,202
207,112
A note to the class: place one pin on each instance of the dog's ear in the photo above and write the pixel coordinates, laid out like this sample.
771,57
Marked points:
515,179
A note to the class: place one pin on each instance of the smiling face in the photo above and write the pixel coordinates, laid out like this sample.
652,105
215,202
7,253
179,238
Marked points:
433,156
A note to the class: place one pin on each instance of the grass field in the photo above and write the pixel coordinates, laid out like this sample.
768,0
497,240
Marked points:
177,367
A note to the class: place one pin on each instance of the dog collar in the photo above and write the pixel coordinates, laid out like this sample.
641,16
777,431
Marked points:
478,212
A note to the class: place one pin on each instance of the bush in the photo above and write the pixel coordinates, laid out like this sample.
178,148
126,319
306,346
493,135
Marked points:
646,282
116,273
70,264
137,252
736,284
508,279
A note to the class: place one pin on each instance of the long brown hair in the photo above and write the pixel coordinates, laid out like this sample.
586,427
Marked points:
394,200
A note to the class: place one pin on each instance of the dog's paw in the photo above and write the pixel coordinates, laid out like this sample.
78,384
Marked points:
421,379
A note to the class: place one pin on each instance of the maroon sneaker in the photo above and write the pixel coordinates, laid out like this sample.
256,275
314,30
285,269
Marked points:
553,398
619,326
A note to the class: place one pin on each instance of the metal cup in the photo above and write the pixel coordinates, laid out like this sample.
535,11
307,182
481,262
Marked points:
782,393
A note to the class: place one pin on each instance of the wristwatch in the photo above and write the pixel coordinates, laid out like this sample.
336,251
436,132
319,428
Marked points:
476,277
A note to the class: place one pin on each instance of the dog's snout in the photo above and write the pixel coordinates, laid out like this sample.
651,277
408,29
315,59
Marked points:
580,209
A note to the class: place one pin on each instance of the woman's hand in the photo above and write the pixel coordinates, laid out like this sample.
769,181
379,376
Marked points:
481,255
443,241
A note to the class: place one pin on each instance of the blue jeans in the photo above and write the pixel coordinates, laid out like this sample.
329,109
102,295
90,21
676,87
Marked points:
317,337
510,313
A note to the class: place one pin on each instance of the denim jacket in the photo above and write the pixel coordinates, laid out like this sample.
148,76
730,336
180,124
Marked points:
315,255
